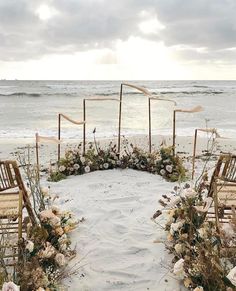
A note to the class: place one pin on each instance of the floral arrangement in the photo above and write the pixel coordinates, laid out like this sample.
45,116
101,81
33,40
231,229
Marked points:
96,158
45,250
199,259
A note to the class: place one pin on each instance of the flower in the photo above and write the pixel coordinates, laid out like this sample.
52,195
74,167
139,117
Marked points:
228,230
62,168
40,289
199,288
176,226
60,260
76,166
10,286
45,191
48,251
59,231
179,268
179,248
87,169
188,193
105,165
82,159
51,217
232,276
162,172
29,246
169,168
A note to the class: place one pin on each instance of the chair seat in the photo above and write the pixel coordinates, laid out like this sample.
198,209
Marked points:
9,205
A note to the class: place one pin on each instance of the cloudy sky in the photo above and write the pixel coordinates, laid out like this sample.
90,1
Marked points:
118,39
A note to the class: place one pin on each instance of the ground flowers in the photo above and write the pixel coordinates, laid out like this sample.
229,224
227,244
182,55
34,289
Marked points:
161,162
196,244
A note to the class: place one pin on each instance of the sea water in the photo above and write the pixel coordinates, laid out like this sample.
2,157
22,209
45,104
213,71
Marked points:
27,107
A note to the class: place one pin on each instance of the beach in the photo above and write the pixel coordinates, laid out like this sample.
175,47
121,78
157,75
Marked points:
119,246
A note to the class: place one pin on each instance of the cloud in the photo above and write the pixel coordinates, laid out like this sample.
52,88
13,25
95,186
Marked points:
196,30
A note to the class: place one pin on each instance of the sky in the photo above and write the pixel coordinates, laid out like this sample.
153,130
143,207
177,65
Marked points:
118,39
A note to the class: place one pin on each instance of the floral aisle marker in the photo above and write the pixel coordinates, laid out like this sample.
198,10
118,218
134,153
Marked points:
160,162
195,242
46,247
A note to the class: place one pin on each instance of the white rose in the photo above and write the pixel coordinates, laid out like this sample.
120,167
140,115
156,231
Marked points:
232,276
179,268
29,246
60,260
62,168
87,169
199,288
82,159
169,168
162,172
174,201
10,286
105,165
76,166
188,193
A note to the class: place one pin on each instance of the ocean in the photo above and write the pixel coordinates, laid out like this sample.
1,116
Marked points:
27,107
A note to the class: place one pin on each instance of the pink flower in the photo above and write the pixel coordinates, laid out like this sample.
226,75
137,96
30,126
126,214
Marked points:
10,286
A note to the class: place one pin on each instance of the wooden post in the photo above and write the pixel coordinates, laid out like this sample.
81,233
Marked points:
150,125
37,150
59,138
84,128
174,122
194,153
120,114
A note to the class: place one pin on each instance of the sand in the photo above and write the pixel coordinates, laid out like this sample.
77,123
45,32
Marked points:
116,242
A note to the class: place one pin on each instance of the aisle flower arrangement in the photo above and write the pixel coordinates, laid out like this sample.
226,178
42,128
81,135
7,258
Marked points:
195,243
159,162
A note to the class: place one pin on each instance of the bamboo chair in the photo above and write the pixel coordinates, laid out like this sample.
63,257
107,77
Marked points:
223,190
13,197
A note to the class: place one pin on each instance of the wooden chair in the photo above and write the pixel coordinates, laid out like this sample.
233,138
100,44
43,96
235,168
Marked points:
13,197
223,190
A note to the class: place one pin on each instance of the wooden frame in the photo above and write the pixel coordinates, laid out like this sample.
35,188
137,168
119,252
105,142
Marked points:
207,130
150,118
193,110
84,115
141,89
60,115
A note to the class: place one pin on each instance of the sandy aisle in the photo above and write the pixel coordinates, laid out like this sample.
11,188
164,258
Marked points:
117,236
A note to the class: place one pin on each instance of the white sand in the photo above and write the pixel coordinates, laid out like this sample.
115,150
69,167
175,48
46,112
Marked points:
117,237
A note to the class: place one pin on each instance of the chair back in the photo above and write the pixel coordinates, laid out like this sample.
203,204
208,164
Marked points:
226,168
10,177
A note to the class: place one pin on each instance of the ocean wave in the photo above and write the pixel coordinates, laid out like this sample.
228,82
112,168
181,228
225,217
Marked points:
190,92
21,94
25,94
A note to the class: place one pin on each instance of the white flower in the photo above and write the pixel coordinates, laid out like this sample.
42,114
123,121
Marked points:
179,268
82,159
62,168
169,168
228,230
45,191
105,165
76,166
60,259
188,193
162,172
232,276
202,232
179,248
10,286
199,288
87,169
174,201
29,246
176,226
40,289
136,161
